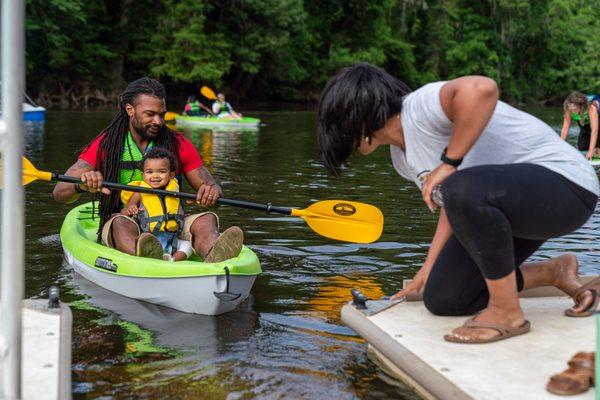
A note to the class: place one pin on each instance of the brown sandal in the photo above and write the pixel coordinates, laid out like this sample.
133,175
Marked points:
577,378
505,331
583,359
593,287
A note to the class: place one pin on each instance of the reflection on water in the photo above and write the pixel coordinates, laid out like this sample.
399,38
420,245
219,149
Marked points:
287,341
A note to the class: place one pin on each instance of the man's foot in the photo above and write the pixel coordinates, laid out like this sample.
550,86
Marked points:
148,246
567,279
492,316
228,245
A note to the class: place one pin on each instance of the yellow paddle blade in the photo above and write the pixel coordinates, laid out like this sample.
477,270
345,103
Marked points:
208,93
348,221
170,116
30,173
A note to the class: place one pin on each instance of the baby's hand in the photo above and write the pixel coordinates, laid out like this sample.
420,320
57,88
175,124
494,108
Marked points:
130,210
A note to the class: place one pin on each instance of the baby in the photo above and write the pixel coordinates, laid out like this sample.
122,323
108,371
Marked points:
161,216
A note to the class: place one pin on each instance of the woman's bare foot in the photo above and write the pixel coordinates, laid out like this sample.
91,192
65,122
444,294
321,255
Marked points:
566,278
495,315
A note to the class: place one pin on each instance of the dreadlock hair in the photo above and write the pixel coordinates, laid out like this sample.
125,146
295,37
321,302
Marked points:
357,101
110,148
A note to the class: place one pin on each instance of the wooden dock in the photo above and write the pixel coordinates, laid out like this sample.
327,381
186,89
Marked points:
46,351
408,342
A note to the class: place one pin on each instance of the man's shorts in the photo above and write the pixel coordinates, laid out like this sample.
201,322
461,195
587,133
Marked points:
107,238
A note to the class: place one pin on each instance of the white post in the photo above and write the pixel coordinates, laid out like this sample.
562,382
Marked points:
12,249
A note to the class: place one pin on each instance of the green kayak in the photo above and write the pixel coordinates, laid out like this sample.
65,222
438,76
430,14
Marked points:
245,122
190,286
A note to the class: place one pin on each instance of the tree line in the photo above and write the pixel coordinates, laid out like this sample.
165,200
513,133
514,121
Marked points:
84,51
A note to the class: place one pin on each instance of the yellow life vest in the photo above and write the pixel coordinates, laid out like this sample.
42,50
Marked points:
158,213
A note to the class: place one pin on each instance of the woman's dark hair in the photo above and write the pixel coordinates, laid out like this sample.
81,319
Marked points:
358,100
158,153
110,148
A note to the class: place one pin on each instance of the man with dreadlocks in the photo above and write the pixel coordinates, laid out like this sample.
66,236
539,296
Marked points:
115,155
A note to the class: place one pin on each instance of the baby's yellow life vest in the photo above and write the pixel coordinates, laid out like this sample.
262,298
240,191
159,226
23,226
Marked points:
158,213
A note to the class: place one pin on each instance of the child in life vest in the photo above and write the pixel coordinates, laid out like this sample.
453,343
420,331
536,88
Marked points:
162,216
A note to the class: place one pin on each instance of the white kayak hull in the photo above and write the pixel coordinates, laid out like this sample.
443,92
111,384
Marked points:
187,294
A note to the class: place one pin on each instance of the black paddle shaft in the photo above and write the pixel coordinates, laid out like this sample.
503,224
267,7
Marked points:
235,203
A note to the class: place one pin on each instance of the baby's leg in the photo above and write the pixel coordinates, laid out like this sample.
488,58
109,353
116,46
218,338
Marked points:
184,250
179,256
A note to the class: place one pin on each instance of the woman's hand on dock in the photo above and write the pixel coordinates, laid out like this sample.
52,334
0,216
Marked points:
415,286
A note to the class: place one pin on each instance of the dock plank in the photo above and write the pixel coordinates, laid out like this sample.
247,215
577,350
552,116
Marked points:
46,351
411,339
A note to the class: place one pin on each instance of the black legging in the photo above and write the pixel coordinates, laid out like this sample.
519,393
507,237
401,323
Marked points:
585,135
500,215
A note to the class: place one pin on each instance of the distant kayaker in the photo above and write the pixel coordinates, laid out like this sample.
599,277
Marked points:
222,109
193,107
508,184
160,217
584,110
115,155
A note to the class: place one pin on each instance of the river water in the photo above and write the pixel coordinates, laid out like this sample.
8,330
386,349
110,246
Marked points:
287,340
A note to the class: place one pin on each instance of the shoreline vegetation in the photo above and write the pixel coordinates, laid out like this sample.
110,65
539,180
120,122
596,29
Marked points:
83,53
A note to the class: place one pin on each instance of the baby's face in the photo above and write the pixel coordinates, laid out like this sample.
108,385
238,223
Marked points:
157,172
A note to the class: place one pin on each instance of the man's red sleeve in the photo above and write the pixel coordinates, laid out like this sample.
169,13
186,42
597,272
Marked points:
89,153
189,158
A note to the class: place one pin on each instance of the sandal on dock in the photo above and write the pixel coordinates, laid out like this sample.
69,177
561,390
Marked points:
505,331
577,378
593,287
583,359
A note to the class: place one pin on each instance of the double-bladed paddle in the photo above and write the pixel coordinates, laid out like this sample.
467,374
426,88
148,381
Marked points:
348,221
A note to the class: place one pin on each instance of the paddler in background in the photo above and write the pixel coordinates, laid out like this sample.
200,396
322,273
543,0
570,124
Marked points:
584,110
193,106
222,109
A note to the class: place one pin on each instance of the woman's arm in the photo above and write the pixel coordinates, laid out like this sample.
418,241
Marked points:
468,102
593,113
441,236
565,126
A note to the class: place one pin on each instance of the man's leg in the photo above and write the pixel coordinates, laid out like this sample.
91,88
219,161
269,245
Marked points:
205,232
124,234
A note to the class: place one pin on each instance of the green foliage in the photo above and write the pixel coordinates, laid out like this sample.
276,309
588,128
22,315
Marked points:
69,47
287,49
179,49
